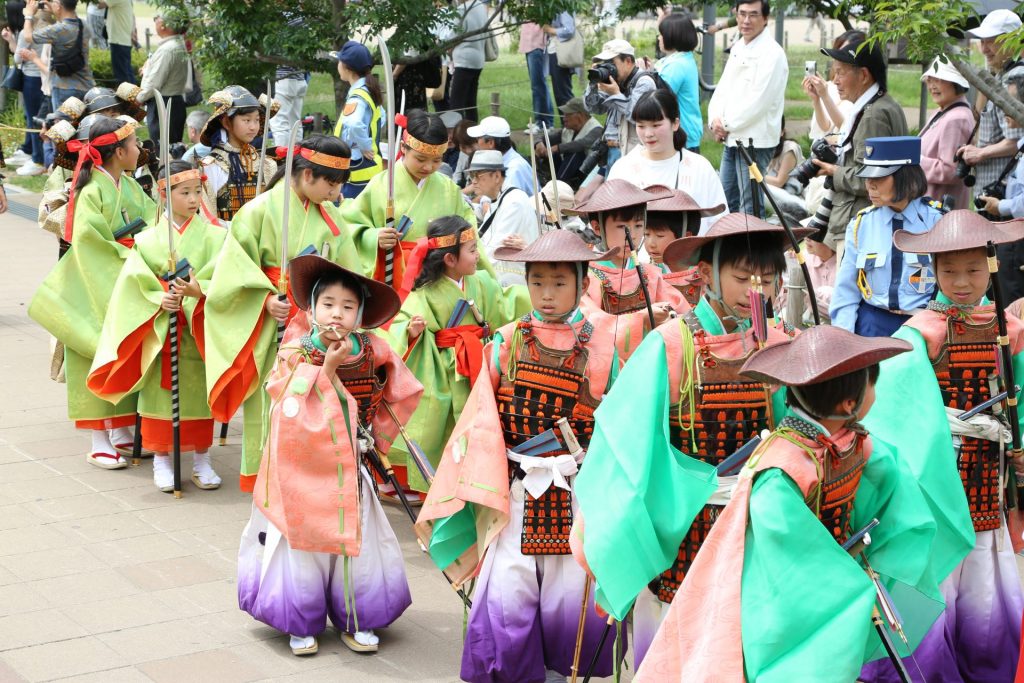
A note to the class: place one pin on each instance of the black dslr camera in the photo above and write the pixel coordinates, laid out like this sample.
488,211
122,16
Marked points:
964,171
602,72
996,190
821,150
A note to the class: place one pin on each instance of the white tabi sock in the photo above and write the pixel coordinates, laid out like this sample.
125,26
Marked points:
101,442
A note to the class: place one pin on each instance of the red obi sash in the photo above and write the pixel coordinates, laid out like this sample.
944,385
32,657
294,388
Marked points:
468,345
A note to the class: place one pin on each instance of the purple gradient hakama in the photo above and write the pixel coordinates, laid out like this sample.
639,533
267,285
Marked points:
297,591
526,611
977,638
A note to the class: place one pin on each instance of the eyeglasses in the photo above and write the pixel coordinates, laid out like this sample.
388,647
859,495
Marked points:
748,15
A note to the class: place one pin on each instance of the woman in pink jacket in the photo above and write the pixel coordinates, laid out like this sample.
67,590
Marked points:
949,129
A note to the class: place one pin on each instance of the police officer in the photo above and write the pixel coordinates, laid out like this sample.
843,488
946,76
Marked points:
878,287
360,123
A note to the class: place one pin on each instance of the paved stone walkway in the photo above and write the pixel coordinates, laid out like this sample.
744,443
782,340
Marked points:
104,578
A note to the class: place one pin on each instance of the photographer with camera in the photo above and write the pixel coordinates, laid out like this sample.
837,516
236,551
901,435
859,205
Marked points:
1004,199
747,104
997,142
616,84
951,128
860,75
70,75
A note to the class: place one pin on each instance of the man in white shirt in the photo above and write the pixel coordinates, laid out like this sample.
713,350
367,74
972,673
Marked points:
506,216
495,133
748,102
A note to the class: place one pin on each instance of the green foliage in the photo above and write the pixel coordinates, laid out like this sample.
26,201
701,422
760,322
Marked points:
243,41
103,72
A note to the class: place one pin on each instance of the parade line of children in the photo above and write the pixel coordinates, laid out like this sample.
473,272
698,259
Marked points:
618,457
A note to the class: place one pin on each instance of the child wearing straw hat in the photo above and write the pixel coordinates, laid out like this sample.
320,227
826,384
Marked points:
543,376
318,544
954,365
621,286
694,405
775,593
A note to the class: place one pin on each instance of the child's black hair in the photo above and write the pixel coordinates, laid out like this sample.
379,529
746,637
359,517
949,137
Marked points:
660,104
822,399
670,220
428,128
762,252
101,126
328,144
433,264
337,278
176,166
626,213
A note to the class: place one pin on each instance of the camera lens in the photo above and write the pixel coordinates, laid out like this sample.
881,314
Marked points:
979,203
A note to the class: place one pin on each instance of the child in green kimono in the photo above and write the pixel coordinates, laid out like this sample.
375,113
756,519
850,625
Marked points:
441,329
72,301
134,348
421,194
243,308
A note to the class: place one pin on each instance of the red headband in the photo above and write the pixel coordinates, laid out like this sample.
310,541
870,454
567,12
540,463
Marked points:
423,245
87,149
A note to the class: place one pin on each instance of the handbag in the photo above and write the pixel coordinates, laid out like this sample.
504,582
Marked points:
68,62
14,79
570,52
193,94
490,48
437,94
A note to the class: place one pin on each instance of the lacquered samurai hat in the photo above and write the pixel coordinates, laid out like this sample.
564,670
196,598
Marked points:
229,101
557,246
380,302
619,194
957,231
818,354
684,252
101,100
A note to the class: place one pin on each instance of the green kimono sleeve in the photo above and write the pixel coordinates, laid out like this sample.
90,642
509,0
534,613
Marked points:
903,546
806,604
72,300
922,439
638,495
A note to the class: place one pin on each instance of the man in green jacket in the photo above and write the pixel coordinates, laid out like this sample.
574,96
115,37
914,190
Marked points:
860,75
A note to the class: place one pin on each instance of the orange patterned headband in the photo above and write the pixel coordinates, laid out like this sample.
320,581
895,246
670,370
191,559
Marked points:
445,241
319,158
423,147
184,176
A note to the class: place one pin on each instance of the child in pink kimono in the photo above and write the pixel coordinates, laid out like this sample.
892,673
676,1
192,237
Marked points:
318,544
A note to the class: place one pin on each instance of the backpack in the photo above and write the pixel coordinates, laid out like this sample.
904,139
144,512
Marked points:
659,82
69,62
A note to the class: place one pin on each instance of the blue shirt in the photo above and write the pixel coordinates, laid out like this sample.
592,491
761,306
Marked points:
1013,203
869,248
518,172
679,71
355,124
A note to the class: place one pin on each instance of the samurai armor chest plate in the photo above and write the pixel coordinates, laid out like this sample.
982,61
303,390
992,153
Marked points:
363,381
618,303
549,384
728,413
841,477
241,185
964,368
692,292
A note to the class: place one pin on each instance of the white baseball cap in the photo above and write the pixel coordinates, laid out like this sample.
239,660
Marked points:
614,48
996,23
490,127
945,71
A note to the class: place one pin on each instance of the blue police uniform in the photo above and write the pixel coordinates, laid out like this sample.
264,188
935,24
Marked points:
360,122
878,287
